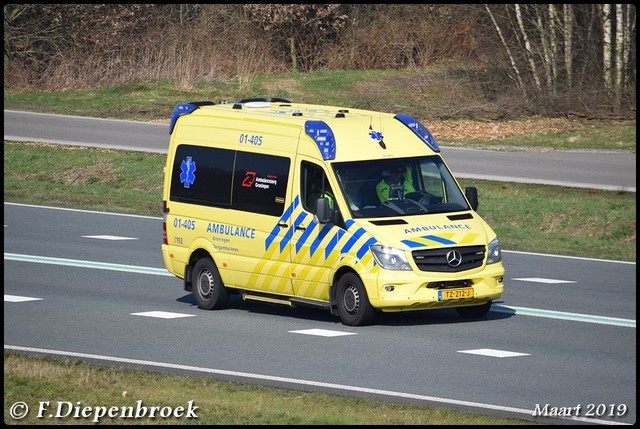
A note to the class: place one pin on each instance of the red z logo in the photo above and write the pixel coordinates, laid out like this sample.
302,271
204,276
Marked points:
249,179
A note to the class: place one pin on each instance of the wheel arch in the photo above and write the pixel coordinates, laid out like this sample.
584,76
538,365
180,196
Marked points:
333,300
195,256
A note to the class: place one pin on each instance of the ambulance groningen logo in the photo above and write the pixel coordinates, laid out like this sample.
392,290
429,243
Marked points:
187,175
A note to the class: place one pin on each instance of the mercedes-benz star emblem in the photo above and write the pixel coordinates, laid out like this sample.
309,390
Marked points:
454,258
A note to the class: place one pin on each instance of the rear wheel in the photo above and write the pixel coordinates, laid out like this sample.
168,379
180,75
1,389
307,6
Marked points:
208,289
354,307
474,312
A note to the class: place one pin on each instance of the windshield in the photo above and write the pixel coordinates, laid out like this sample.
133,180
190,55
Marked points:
399,187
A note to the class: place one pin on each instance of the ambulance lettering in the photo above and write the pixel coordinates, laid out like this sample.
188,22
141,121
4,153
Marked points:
437,228
232,231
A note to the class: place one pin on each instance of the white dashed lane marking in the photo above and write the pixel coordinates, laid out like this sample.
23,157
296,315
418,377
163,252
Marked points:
16,298
109,237
540,280
322,332
163,314
493,353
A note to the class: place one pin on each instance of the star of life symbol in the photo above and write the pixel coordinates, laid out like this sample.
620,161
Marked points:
188,167
376,135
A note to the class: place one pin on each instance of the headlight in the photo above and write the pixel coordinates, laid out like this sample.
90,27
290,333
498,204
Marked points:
495,254
390,258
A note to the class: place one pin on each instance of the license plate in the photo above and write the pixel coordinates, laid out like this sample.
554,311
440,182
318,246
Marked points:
446,294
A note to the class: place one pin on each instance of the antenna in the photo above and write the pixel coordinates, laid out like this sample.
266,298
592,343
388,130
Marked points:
382,144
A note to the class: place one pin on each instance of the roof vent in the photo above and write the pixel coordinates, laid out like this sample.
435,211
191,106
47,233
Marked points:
257,104
266,99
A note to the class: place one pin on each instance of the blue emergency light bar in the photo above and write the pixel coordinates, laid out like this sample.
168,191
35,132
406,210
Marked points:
185,109
419,129
320,132
179,110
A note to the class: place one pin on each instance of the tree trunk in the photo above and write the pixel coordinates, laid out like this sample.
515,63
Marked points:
527,46
606,46
619,58
294,56
547,36
568,42
514,66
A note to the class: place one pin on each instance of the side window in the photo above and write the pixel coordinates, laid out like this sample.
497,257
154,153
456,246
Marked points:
432,181
206,176
202,175
260,183
314,184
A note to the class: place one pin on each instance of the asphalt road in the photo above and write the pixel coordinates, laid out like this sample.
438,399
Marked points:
597,170
93,286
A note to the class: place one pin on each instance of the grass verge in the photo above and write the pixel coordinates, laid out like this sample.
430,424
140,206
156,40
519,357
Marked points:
74,385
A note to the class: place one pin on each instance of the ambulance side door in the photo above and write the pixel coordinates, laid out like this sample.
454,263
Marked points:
261,189
314,246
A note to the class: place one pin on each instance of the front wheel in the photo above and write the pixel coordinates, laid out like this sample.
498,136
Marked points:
208,289
354,307
474,312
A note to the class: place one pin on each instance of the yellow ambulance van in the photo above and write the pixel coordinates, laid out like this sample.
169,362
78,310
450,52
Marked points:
349,210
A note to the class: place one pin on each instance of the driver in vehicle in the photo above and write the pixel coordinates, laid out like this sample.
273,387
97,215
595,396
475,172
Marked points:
394,185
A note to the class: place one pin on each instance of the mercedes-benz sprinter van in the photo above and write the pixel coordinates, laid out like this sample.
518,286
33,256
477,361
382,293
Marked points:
345,209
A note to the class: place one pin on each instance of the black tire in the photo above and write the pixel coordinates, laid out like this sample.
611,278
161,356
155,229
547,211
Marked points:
354,307
474,312
208,289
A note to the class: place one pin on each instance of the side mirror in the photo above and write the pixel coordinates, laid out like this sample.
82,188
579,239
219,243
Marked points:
323,211
472,195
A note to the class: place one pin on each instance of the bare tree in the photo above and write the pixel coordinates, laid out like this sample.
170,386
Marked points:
512,59
527,47
540,42
567,12
304,27
607,33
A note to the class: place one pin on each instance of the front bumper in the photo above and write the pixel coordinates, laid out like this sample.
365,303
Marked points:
394,291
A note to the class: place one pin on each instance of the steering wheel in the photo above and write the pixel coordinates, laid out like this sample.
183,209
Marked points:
421,197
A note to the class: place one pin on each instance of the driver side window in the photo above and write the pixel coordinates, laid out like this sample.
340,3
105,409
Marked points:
314,184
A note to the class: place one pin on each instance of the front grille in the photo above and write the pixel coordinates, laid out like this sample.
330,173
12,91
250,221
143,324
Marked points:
436,259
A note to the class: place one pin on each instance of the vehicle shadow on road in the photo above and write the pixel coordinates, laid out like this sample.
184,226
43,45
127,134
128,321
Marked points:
411,318
444,316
